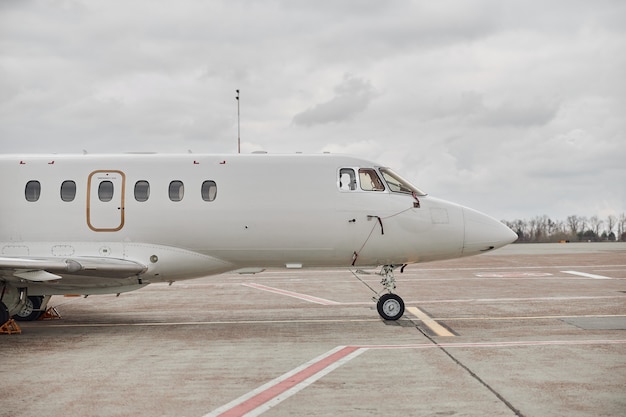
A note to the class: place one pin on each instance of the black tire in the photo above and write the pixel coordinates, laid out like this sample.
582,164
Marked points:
30,311
390,307
4,313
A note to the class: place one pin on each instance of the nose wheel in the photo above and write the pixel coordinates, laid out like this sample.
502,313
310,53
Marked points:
390,306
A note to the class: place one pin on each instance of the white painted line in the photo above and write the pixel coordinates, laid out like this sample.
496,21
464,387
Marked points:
292,294
501,344
513,274
263,398
279,389
586,275
428,321
515,300
285,321
507,318
204,323
494,268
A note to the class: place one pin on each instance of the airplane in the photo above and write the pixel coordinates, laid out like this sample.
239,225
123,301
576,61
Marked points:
108,224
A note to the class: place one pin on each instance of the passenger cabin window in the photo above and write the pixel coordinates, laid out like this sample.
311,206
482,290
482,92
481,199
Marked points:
176,190
105,191
209,190
347,179
68,191
370,181
397,184
142,191
32,191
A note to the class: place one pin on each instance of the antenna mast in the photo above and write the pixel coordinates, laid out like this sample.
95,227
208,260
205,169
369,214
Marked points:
238,125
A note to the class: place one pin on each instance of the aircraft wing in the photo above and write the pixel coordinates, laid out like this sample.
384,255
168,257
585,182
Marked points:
49,269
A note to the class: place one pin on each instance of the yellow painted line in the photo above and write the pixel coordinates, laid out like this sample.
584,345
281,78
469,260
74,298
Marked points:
428,321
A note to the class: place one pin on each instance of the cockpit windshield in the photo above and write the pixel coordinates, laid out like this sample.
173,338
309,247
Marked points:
398,184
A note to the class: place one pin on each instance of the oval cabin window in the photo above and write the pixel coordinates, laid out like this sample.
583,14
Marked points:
32,191
142,191
209,190
68,191
105,191
176,190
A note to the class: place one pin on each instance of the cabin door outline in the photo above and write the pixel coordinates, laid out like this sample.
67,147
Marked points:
105,212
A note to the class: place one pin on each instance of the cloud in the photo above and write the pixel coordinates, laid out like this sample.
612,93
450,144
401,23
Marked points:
470,108
509,109
518,111
352,96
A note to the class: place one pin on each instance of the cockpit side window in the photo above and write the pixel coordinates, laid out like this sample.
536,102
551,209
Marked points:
370,181
347,179
397,184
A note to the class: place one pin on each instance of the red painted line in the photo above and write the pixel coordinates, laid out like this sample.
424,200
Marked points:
282,386
269,395
297,295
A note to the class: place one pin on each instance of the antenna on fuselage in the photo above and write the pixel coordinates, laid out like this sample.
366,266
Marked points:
238,125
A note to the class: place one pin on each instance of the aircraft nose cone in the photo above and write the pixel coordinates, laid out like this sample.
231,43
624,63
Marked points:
484,233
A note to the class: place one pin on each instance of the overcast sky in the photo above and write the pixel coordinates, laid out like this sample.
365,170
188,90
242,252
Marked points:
515,108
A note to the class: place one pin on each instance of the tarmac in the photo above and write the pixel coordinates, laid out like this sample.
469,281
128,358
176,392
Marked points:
528,330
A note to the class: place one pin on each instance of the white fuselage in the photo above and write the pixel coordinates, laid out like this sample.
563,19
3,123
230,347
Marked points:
186,216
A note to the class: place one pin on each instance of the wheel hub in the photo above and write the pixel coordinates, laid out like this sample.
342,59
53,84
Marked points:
390,307
27,308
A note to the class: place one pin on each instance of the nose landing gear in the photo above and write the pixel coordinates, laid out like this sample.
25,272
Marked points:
390,305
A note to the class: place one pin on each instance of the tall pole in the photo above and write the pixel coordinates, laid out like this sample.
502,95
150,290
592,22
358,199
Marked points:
238,125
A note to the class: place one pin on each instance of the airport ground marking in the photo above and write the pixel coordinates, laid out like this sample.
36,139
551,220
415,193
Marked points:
430,322
269,395
586,275
39,325
507,318
513,274
299,296
521,299
520,343
279,389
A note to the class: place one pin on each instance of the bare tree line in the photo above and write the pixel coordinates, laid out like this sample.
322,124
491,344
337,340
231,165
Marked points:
573,229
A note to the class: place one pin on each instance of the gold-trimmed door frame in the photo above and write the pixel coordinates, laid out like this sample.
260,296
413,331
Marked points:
106,216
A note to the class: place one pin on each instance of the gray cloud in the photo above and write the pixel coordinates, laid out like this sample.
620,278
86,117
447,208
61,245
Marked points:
352,96
479,101
470,108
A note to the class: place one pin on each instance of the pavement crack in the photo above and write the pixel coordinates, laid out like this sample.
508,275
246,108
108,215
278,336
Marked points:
507,403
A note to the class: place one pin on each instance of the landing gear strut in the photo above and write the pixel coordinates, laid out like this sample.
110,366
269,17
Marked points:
389,305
